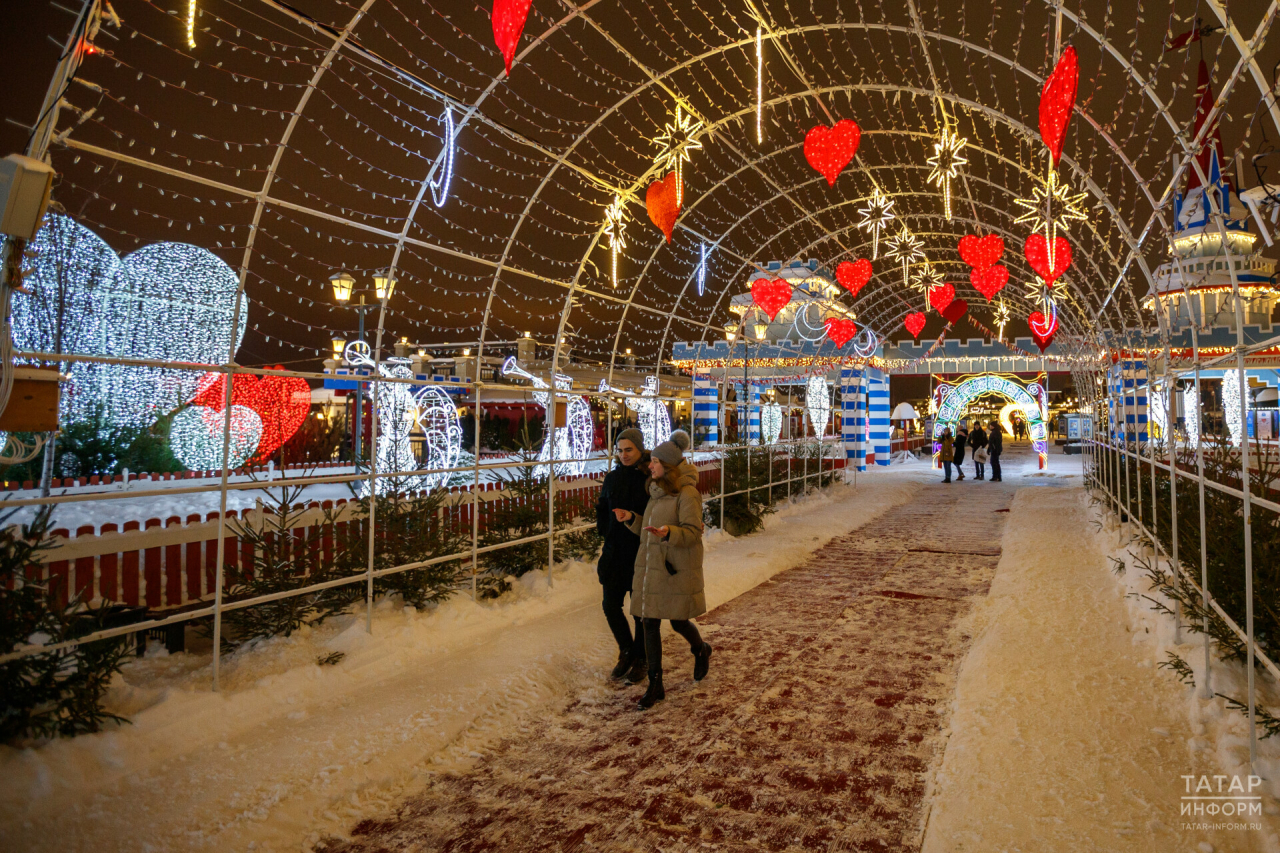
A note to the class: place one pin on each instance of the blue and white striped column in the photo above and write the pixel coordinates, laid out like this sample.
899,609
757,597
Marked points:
706,417
853,420
878,414
753,415
1127,382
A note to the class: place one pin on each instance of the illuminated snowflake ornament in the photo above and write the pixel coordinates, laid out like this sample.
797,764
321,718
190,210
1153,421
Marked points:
946,162
678,138
875,217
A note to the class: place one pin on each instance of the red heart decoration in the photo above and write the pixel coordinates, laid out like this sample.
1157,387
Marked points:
1042,330
829,149
853,275
508,24
1057,101
841,330
914,323
940,297
282,402
990,281
955,310
1037,251
662,201
770,295
981,252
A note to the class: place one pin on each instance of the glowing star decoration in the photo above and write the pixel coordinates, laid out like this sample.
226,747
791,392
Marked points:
770,422
875,217
1000,317
818,404
509,17
702,268
946,162
1231,410
573,441
1052,207
830,149
905,248
679,137
402,408
927,279
196,432
166,302
444,165
615,226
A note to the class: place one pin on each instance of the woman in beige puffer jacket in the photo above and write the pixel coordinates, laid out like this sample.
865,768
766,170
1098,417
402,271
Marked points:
667,581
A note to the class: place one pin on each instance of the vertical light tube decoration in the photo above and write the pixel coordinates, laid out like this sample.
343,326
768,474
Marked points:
759,85
191,24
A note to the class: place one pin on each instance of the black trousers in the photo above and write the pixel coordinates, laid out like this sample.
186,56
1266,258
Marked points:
653,640
995,466
615,594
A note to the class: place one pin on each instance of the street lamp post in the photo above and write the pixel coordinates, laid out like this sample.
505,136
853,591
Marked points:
343,285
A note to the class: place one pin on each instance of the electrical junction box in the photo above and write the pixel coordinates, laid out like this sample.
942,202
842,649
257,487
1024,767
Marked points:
33,402
25,185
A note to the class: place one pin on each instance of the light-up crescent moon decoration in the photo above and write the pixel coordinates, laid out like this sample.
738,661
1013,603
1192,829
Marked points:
818,404
952,402
803,327
444,165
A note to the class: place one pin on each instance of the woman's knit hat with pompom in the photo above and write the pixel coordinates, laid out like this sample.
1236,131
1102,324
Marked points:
671,452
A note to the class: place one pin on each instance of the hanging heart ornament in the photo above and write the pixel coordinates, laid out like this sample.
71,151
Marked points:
940,297
829,149
508,24
281,403
1057,100
989,281
955,310
841,330
914,323
1036,250
770,295
661,200
980,252
1043,329
854,275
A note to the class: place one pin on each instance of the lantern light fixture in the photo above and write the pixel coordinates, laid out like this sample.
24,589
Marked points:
343,283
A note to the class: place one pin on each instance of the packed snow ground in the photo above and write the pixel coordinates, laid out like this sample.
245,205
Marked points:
290,750
1065,736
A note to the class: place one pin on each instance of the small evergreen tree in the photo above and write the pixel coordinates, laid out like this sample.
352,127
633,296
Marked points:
58,692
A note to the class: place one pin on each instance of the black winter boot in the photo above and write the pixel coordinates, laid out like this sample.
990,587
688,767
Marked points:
624,664
637,671
702,662
654,694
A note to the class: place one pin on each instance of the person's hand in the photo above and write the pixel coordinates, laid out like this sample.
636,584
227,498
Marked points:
623,515
663,531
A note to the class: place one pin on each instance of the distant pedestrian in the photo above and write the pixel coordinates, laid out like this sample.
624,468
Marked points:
626,488
947,452
995,446
962,436
978,444
668,567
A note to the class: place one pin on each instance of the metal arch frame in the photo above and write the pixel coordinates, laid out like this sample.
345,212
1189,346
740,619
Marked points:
884,89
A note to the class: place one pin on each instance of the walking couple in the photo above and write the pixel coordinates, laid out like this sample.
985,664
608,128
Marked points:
985,448
650,515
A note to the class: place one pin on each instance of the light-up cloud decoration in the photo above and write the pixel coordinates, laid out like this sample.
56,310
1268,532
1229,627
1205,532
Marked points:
771,422
163,302
818,403
573,440
401,408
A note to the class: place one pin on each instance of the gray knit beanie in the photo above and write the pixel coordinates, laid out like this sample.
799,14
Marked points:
671,452
632,435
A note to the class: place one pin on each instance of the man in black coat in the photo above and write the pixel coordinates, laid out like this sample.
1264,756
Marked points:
962,435
995,446
623,488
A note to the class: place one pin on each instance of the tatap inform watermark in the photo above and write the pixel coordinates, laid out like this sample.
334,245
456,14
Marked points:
1221,796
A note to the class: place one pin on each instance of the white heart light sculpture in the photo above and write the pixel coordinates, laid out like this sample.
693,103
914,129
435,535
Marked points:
771,422
195,437
818,404
163,302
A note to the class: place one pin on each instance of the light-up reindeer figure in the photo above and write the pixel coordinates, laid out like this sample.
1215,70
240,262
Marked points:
655,420
401,407
573,440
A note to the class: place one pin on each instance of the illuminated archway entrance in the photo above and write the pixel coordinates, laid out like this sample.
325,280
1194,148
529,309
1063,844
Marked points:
953,401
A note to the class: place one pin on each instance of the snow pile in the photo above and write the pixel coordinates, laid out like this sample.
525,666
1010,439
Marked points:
290,749
1064,734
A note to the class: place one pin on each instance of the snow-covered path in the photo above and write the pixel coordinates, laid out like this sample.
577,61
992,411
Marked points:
1064,735
291,751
